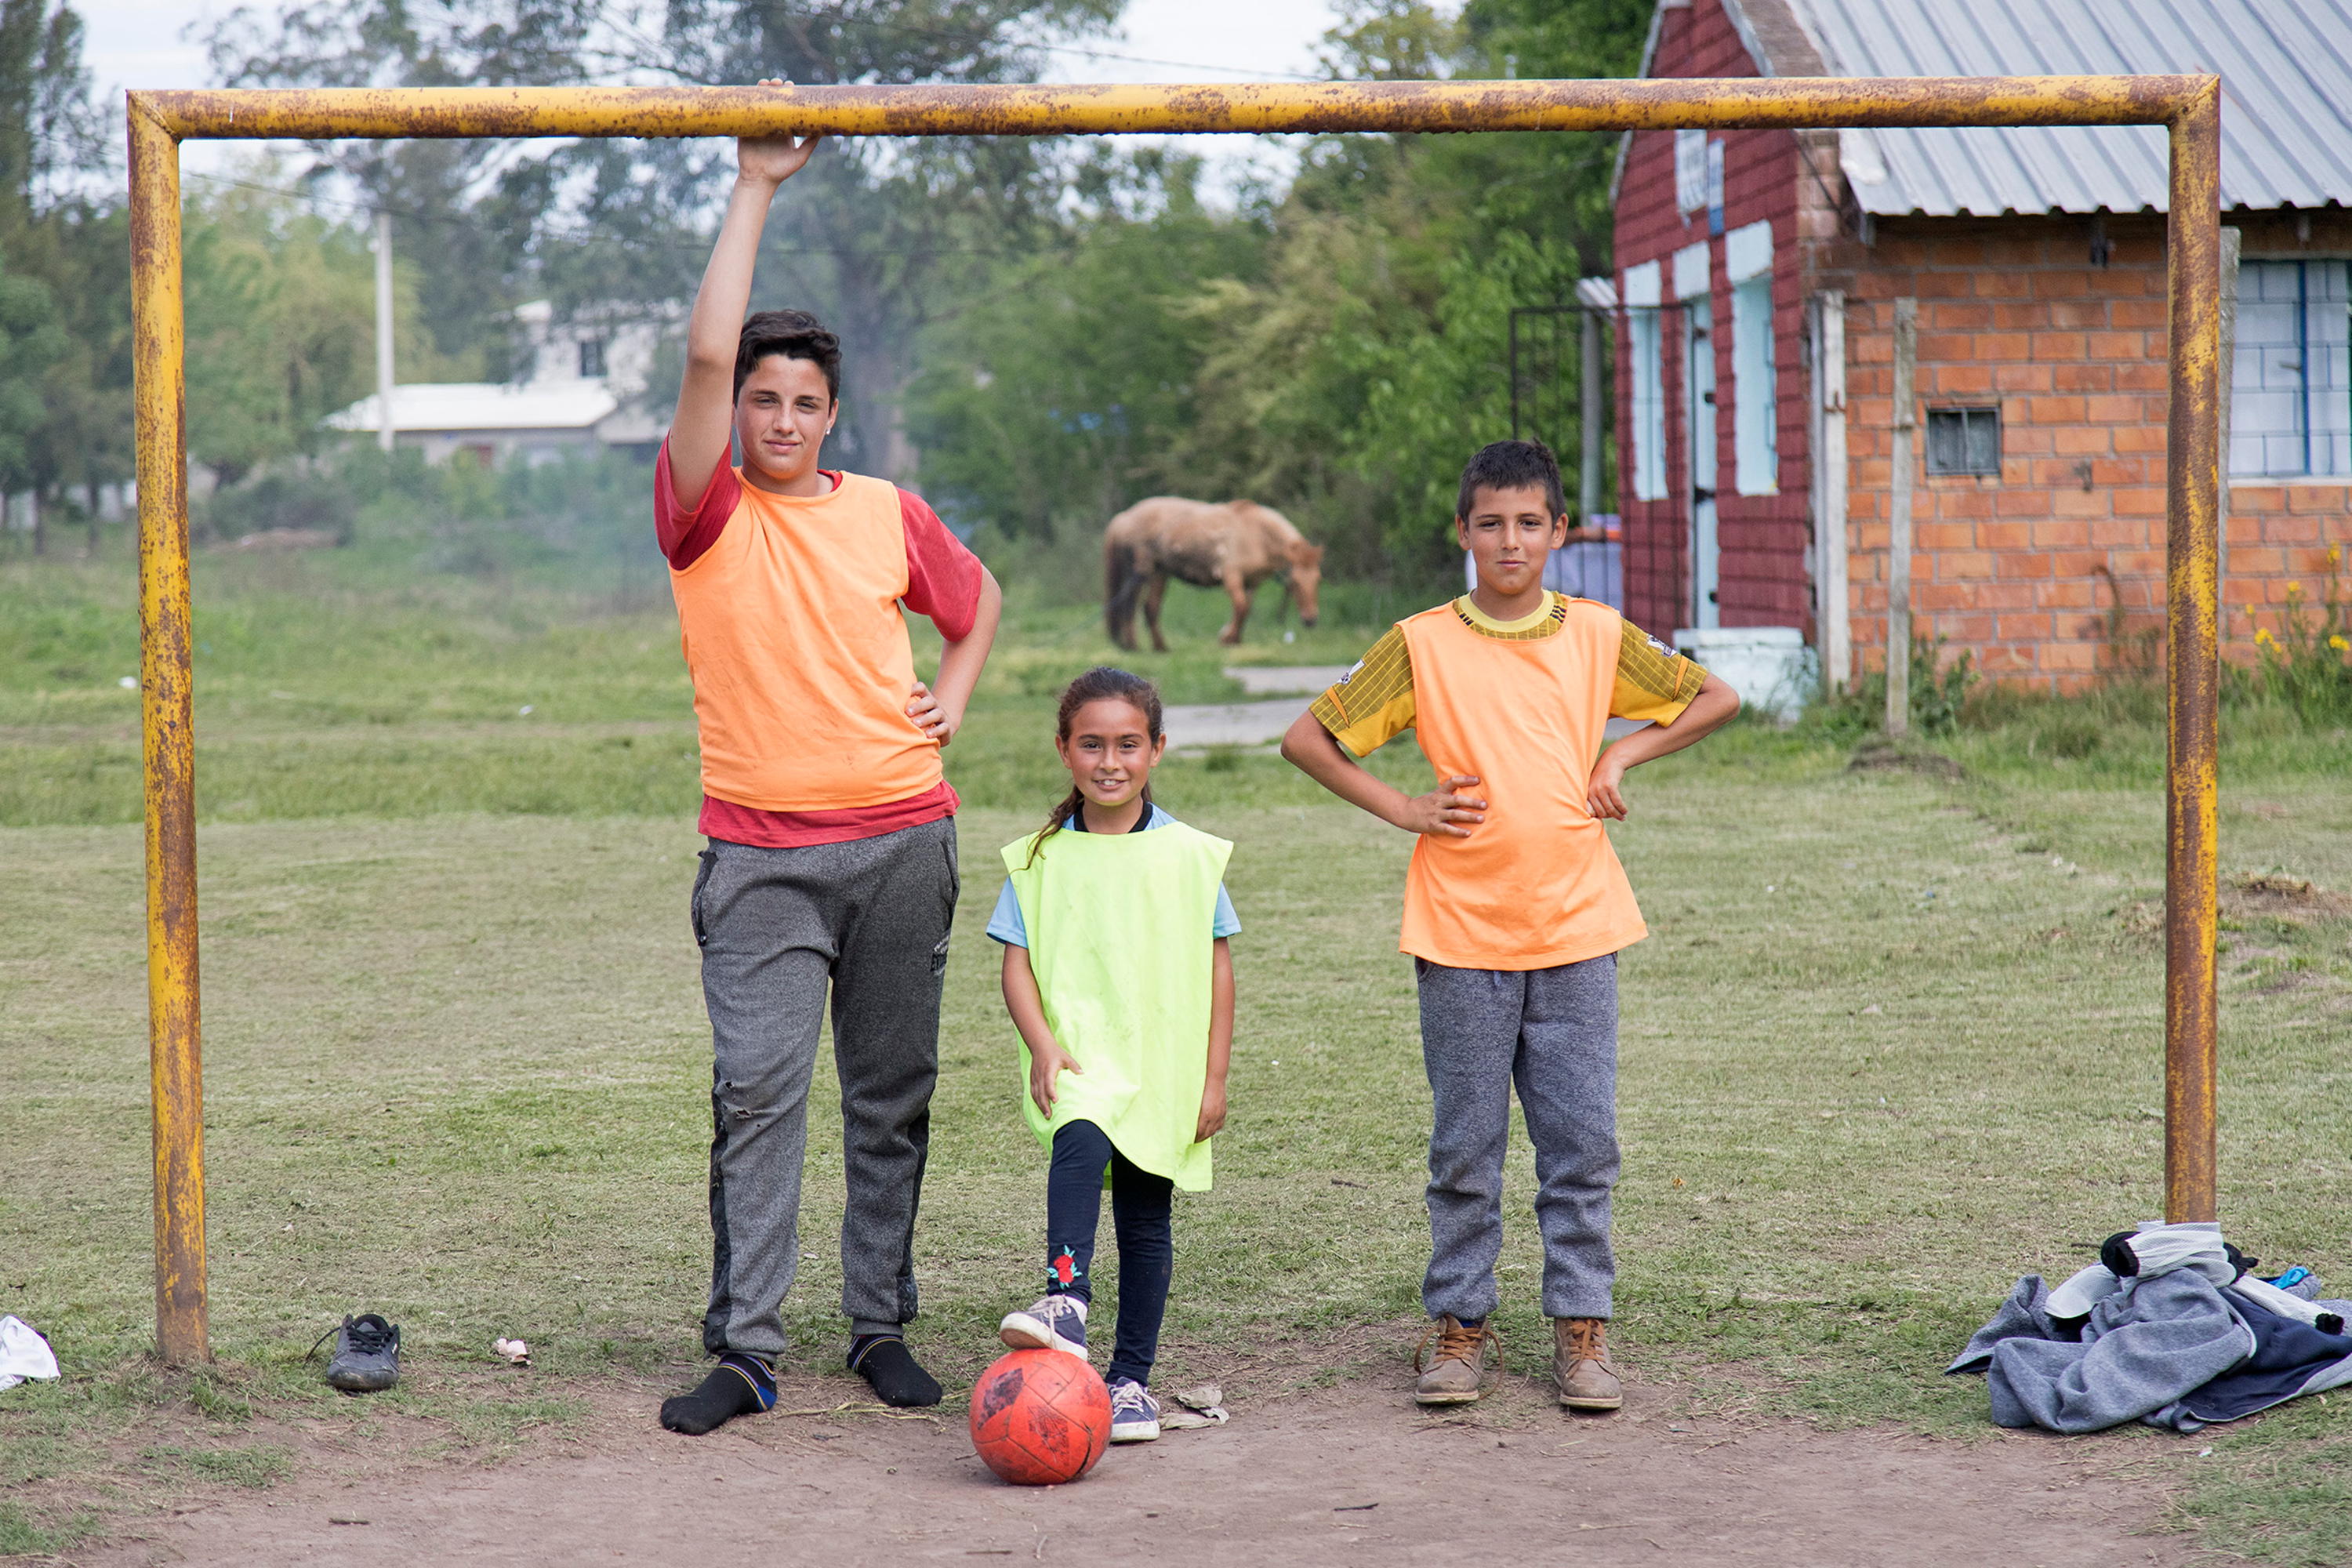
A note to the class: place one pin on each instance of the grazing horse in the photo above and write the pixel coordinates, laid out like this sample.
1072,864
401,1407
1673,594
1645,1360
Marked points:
1235,546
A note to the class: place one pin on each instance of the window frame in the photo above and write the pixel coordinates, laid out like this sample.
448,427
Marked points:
1965,412
2322,445
1646,425
1754,368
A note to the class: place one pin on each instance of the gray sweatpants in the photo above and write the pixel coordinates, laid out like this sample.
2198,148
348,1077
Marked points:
869,921
1553,1032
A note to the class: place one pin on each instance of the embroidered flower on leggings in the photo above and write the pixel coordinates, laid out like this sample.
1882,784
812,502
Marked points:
1064,1269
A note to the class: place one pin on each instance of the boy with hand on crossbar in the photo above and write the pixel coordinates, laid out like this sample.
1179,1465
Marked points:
830,880
1515,906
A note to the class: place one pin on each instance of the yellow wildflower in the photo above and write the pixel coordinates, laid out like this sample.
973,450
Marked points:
2334,556
2265,637
2338,644
2295,591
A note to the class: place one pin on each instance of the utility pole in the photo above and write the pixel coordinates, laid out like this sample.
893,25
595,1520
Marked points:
1898,544
383,329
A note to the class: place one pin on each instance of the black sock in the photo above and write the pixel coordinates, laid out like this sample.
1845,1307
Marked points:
737,1386
884,1361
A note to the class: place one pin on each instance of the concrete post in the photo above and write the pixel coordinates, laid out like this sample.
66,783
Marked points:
383,329
1898,542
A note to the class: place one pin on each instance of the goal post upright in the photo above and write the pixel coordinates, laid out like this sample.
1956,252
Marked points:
2188,106
167,713
2192,654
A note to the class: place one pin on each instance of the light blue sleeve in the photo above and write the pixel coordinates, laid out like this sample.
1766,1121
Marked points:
1005,925
1227,922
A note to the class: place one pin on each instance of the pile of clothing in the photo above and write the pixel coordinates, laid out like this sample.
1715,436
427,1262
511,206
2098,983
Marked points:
2170,1326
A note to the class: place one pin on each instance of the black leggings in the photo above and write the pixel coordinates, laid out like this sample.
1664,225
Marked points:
1140,1209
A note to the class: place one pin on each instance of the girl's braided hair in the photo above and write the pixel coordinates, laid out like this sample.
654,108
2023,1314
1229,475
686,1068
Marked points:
1103,682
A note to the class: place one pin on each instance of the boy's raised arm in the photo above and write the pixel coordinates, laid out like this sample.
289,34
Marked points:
704,424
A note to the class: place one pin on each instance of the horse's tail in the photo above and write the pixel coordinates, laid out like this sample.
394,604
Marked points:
1120,580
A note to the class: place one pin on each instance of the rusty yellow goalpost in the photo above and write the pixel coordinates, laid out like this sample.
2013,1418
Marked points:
2189,107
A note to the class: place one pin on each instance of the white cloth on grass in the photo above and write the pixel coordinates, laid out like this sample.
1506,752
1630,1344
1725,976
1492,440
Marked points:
2192,1244
2159,1248
23,1353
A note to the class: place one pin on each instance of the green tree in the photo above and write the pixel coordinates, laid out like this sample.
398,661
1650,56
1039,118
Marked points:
1372,361
1336,352
32,340
281,322
1052,398
876,237
64,250
49,131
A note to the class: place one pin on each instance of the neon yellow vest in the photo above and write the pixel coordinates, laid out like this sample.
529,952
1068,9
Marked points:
1119,941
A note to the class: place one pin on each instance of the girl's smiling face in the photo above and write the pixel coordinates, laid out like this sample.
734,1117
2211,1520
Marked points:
1110,751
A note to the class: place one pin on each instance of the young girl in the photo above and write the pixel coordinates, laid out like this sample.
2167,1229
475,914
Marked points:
1114,922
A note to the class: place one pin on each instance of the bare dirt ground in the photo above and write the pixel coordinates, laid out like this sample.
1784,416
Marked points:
1352,1474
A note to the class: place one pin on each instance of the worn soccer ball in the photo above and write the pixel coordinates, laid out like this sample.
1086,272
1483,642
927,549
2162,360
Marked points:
1040,1419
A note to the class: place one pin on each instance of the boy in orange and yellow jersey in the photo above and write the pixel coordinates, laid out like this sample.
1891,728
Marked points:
831,871
1515,906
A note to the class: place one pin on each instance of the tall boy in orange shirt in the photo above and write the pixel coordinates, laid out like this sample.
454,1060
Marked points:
1515,906
830,877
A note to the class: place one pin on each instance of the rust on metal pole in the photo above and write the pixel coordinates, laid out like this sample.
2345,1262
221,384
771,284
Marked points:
175,1054
2192,654
1059,110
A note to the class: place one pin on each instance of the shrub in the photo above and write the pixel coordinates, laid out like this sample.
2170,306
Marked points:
1939,693
2305,665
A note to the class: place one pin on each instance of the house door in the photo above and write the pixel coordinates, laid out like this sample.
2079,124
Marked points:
1698,377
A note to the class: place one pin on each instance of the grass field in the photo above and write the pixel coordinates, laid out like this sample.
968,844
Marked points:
1892,1042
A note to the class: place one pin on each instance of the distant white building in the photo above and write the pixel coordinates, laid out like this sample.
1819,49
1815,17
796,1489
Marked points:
583,389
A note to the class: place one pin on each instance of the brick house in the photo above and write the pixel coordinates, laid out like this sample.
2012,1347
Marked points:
1756,271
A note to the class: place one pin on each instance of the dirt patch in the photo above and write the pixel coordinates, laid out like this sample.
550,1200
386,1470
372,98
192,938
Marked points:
2274,895
1349,1474
1879,757
2249,896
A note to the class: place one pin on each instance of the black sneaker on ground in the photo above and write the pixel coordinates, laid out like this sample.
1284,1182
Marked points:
367,1356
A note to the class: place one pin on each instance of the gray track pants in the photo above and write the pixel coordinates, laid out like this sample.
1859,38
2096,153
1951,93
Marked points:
1554,1032
869,919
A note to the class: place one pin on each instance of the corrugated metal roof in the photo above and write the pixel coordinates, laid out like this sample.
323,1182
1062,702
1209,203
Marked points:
2286,111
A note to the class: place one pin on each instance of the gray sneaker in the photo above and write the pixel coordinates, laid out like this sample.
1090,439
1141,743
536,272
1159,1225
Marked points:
367,1356
1055,1323
1134,1414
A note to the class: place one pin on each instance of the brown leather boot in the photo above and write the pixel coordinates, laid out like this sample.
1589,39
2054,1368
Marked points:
1579,1365
1450,1374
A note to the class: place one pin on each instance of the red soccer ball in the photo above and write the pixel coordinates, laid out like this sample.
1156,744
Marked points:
1040,1417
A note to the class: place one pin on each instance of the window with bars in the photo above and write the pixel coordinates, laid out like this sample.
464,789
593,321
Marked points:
1964,441
2290,386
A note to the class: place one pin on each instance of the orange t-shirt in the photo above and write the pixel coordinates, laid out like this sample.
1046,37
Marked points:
1524,708
801,663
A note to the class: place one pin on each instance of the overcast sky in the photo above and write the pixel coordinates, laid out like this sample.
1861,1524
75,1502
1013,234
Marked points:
146,43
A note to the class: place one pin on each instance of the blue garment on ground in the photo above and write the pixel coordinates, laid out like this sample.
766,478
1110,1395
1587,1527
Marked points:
2140,1352
2173,1351
1007,926
2289,1359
